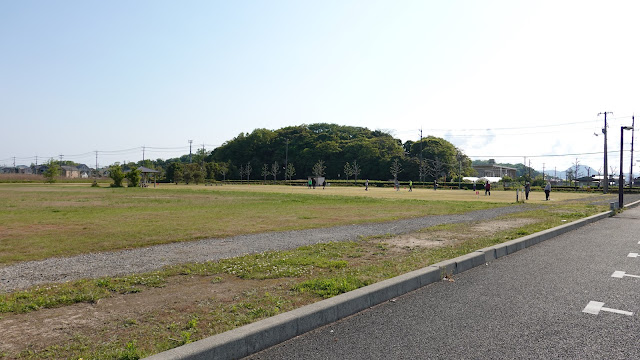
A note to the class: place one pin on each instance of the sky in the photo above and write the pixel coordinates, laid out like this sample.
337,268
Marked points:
500,80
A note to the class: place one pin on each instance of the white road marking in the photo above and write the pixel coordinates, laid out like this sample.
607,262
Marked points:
621,274
594,307
633,255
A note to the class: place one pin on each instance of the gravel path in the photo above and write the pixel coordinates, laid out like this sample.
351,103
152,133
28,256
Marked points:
115,263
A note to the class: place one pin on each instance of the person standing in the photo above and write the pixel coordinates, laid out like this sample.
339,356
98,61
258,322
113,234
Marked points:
366,185
527,189
547,190
396,184
487,188
410,185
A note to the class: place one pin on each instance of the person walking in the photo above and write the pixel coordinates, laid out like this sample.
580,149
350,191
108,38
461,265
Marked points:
527,189
435,185
547,190
410,185
396,184
487,188
366,185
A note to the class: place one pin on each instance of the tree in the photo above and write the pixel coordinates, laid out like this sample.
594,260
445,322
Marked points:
224,168
423,169
193,172
52,171
247,170
116,174
178,175
174,172
275,169
395,169
133,177
355,168
348,170
437,169
265,172
290,171
318,169
241,172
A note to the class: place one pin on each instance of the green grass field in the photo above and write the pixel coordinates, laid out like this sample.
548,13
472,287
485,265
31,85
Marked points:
39,221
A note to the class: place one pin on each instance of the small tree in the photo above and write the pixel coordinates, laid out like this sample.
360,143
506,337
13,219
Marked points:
52,171
356,171
265,172
178,175
275,169
116,174
395,169
247,170
193,172
348,170
241,173
318,169
223,171
133,177
436,169
423,168
290,171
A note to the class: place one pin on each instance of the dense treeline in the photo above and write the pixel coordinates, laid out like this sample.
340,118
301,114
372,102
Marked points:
336,151
372,152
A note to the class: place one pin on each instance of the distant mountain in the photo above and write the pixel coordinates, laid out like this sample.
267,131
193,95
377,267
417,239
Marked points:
583,170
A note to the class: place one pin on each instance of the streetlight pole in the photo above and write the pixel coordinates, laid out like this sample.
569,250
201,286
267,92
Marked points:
621,178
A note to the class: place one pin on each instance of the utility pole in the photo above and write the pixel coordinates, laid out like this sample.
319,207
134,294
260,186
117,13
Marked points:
542,172
96,173
60,160
606,165
421,174
202,155
190,142
142,154
633,124
529,169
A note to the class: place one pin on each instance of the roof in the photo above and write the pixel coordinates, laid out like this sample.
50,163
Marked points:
147,170
494,166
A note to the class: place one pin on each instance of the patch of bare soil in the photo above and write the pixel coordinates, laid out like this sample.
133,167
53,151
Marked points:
43,328
443,237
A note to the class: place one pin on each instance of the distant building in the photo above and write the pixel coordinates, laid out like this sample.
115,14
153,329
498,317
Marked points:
84,171
23,169
70,172
495,171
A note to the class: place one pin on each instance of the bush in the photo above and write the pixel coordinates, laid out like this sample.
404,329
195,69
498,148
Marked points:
116,174
133,177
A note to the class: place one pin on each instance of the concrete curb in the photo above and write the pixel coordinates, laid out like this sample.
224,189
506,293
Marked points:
260,335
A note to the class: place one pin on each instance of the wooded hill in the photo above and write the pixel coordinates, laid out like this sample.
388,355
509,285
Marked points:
372,152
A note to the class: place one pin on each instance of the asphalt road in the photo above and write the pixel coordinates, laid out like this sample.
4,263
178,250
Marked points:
526,305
